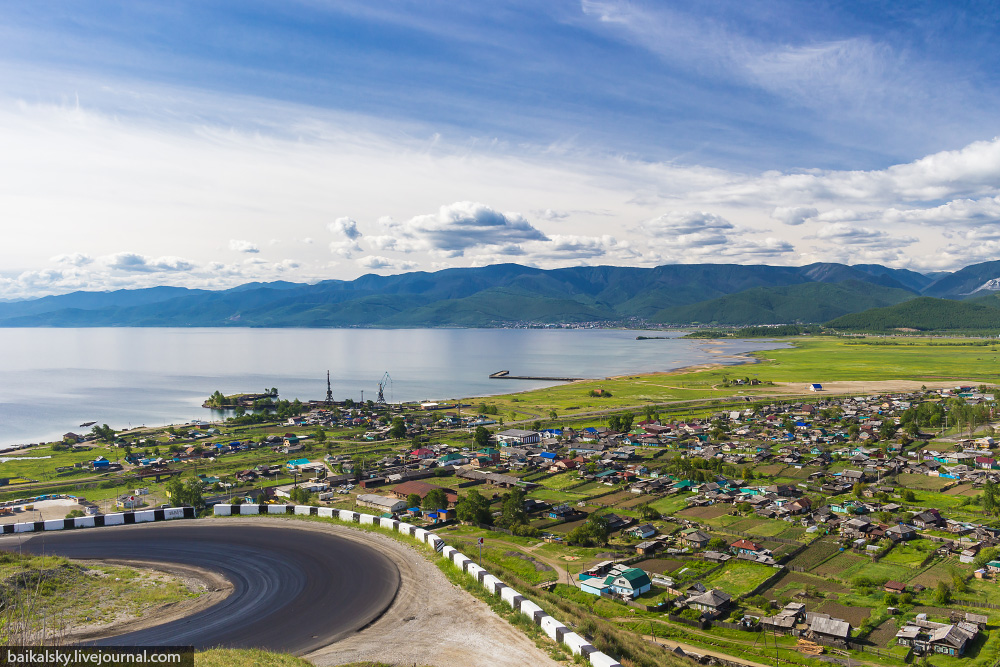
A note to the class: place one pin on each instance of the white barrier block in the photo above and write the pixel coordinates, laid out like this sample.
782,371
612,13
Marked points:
492,583
326,512
575,642
222,510
302,510
144,516
448,551
346,515
433,540
276,509
174,513
420,534
599,659
114,519
508,594
407,528
367,519
474,571
83,522
529,609
247,509
387,523
551,627
55,524
24,527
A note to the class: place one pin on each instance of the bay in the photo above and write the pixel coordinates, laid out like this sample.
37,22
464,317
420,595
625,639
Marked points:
56,379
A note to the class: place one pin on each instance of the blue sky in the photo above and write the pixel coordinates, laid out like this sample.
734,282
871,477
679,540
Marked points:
208,144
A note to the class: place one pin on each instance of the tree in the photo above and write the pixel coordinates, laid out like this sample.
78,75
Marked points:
717,544
319,435
481,437
398,428
593,531
474,508
615,422
985,556
942,594
72,514
512,509
185,493
989,497
104,433
300,495
553,414
627,419
413,500
909,496
436,499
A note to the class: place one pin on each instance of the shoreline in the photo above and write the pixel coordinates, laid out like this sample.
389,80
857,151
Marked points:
724,359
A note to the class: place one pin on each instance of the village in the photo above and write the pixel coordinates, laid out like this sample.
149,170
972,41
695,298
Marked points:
861,526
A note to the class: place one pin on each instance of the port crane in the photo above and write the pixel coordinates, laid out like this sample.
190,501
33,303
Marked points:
386,381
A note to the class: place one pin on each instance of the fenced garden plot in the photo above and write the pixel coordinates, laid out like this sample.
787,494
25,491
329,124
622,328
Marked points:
739,577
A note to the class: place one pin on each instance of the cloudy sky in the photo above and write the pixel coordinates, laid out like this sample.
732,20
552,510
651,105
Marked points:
211,144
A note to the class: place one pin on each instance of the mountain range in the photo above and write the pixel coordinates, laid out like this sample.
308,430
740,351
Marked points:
507,294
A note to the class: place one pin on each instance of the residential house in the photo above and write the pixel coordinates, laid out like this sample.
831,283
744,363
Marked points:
711,603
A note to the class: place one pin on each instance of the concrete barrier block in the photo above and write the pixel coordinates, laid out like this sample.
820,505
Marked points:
433,540
277,509
54,524
511,597
326,512
553,628
114,519
388,523
474,569
599,659
24,527
346,515
577,644
421,534
145,516
247,509
448,551
367,519
83,522
222,510
302,510
532,611
173,513
492,584
407,528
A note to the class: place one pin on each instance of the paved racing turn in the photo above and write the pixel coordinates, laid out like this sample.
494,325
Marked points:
294,590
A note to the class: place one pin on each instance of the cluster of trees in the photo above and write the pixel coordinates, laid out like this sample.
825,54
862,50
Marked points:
104,433
474,507
398,428
488,409
271,410
299,496
185,492
599,393
593,532
621,423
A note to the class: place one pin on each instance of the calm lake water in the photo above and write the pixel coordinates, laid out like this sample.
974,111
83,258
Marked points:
56,379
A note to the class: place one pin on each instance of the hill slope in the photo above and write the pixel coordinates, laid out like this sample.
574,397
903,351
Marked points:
805,303
924,314
501,294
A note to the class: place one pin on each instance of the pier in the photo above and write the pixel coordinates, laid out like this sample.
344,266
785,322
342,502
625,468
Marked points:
505,375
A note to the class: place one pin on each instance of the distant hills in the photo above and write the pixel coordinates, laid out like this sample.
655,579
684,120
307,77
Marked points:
925,314
508,294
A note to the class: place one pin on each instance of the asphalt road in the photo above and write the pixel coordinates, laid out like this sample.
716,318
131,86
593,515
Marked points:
294,590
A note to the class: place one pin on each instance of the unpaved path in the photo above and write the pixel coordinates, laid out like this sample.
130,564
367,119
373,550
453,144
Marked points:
431,621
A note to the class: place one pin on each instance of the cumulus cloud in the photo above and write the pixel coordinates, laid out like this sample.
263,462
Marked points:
461,226
347,230
691,229
846,234
73,259
376,262
794,215
346,227
135,263
243,246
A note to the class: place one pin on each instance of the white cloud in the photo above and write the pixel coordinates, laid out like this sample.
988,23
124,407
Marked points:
688,229
845,234
464,225
243,246
794,215
376,262
133,262
346,227
74,259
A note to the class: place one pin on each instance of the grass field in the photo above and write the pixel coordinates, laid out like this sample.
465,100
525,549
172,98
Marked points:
739,577
818,551
853,615
793,582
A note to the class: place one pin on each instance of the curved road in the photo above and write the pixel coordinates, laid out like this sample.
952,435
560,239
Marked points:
294,590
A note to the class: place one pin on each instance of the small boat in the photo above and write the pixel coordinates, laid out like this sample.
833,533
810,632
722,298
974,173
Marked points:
87,424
